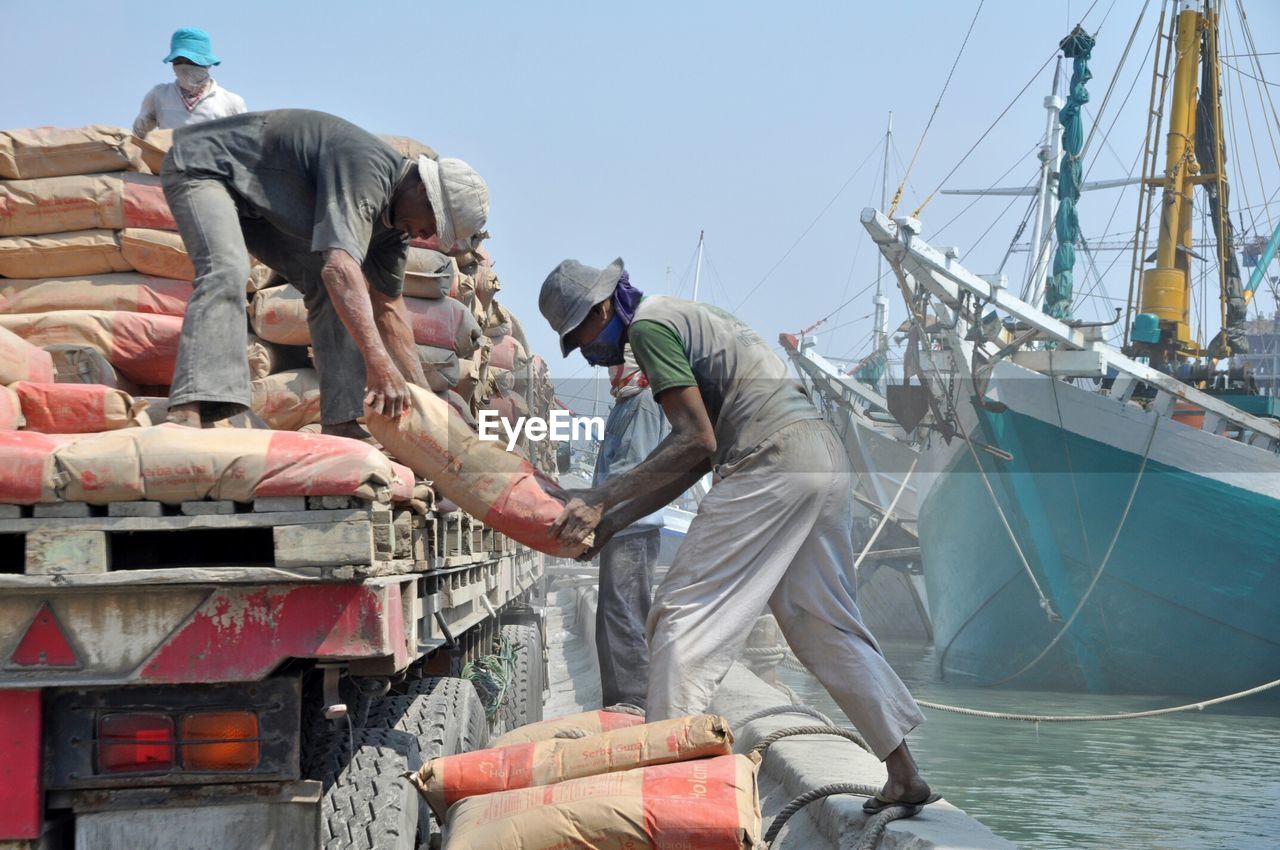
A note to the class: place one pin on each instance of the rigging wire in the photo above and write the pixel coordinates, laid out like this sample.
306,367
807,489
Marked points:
980,196
897,195
810,227
1124,57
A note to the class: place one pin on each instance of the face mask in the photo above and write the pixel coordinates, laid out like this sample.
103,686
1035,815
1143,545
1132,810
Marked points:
191,77
606,348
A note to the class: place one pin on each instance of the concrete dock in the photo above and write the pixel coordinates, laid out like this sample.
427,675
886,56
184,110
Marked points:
790,767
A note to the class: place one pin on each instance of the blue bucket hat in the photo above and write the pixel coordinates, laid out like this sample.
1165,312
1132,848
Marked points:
191,43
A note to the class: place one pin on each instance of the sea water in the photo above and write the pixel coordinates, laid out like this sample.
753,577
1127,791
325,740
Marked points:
1187,781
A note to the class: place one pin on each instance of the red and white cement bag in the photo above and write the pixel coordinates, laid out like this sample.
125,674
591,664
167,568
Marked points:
497,487
169,463
428,274
22,361
267,358
30,471
279,315
445,781
444,323
82,202
127,292
289,400
79,252
704,804
57,151
156,252
593,722
78,408
508,354
141,346
11,418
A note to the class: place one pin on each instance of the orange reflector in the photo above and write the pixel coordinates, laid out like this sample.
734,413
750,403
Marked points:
219,740
135,742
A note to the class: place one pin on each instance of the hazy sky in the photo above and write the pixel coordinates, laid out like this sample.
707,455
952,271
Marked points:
607,130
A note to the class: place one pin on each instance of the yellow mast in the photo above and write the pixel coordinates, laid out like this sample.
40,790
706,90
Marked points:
1166,288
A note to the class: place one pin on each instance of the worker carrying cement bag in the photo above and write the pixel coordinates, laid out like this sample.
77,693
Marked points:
358,202
591,722
445,781
193,96
707,804
497,487
776,528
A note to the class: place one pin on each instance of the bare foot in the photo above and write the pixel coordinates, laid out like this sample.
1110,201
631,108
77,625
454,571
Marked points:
187,415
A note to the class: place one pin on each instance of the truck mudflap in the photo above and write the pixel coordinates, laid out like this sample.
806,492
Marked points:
59,636
20,814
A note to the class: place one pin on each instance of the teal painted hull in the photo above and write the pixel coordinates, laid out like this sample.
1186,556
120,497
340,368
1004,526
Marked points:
1189,602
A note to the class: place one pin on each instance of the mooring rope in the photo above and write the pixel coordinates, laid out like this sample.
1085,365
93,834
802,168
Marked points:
762,746
872,831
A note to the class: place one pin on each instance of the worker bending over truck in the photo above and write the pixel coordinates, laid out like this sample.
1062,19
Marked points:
332,208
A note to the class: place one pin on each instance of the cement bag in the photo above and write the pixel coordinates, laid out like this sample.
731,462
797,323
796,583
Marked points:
458,405
78,408
170,463
84,364
141,346
428,274
496,321
77,252
488,482
593,722
267,358
11,418
445,781
441,366
279,315
707,804
54,151
22,361
156,252
131,293
510,406
142,203
407,147
82,202
508,354
486,284
153,148
28,471
473,373
444,323
288,400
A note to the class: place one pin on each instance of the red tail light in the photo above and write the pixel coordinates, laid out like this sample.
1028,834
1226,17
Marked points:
135,742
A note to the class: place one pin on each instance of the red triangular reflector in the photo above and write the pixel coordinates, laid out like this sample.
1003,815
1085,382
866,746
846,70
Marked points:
44,644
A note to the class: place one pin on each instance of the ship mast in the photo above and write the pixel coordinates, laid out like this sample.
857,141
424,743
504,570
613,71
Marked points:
881,301
1163,326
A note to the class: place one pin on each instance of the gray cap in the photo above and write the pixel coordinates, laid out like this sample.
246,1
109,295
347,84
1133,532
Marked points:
569,293
459,198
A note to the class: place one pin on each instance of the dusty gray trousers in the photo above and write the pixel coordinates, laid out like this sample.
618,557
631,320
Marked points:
626,590
212,367
777,531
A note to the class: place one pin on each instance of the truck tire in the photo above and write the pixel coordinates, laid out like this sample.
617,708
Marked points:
445,717
524,701
367,802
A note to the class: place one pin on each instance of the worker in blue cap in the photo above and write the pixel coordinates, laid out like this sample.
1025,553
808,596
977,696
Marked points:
193,96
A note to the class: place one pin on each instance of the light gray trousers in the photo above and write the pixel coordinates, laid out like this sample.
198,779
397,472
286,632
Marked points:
777,531
212,367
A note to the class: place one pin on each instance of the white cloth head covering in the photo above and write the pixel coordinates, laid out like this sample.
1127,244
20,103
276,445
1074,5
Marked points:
459,198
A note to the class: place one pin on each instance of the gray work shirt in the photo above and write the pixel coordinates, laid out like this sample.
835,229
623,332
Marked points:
310,175
745,386
635,427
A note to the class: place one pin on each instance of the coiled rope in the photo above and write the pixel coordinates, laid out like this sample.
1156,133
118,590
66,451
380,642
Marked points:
762,746
872,831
